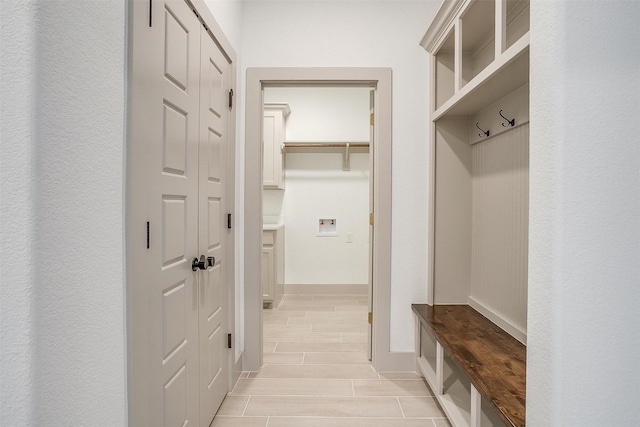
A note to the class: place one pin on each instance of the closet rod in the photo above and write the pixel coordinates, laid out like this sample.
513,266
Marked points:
323,145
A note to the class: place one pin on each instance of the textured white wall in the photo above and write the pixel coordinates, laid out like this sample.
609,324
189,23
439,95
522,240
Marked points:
317,187
17,73
366,34
584,267
63,331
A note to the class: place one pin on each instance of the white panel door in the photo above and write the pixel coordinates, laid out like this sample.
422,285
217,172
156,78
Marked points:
173,212
213,242
176,211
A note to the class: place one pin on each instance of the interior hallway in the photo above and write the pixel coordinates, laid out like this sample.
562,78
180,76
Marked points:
316,374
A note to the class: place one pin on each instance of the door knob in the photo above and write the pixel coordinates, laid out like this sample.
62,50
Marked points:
211,261
199,264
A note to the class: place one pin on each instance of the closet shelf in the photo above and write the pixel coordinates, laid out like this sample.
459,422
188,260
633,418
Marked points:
504,75
332,144
332,147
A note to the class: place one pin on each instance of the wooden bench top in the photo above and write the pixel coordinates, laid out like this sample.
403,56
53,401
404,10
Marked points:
494,361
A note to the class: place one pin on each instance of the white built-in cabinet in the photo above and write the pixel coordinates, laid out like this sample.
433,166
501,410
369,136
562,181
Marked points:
272,265
275,115
479,163
479,54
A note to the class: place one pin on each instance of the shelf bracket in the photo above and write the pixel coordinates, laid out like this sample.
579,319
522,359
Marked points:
346,160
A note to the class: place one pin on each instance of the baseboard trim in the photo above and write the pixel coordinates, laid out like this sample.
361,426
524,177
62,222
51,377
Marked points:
508,326
236,370
332,289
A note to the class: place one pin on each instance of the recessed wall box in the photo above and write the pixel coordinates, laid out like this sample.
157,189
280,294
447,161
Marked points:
327,227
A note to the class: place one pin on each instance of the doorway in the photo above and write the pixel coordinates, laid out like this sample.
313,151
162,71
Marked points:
380,80
316,231
316,184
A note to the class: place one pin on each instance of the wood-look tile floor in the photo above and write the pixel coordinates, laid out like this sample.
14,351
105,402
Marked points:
316,374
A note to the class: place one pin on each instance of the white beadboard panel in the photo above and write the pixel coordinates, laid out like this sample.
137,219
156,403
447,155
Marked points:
500,225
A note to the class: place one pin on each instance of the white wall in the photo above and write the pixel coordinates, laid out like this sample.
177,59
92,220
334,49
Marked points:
584,269
63,98
228,14
17,133
366,34
324,113
317,187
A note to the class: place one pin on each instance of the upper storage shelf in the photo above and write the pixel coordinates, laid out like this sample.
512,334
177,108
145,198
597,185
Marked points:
480,53
477,39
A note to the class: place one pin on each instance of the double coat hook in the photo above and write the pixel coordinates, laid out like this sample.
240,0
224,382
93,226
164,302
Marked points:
485,132
511,122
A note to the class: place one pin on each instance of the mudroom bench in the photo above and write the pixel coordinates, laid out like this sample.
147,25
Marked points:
476,370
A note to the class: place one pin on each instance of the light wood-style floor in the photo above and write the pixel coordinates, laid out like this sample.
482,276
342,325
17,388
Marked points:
316,374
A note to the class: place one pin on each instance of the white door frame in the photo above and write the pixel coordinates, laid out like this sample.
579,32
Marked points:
381,79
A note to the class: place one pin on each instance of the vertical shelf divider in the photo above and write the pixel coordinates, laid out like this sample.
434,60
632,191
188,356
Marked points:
439,369
457,51
476,407
501,27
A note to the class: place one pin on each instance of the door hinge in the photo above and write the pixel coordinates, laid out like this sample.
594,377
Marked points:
229,221
372,119
371,219
228,340
230,99
148,240
370,318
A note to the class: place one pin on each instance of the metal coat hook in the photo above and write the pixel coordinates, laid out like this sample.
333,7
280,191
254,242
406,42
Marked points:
485,132
511,122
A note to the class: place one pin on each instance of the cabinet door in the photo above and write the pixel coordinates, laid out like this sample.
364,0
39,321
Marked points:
273,138
268,274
